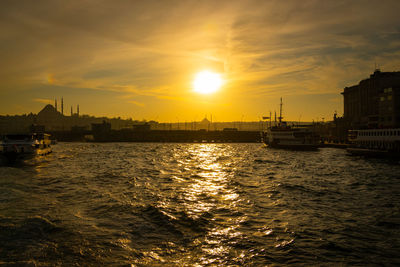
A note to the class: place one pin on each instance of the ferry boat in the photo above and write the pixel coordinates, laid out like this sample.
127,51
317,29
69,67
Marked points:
375,142
296,138
290,137
15,147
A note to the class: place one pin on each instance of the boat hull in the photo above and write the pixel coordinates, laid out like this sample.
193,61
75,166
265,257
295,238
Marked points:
12,156
24,147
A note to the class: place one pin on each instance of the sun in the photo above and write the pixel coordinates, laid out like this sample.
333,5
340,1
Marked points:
207,82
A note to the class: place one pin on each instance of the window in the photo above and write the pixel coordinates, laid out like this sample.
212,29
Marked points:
389,97
382,98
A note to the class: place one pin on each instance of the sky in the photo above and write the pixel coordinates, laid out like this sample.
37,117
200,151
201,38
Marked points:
138,59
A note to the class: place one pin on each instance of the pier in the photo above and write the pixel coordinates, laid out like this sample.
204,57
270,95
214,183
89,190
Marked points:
175,136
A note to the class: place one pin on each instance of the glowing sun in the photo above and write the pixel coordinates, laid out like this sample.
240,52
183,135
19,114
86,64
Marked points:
207,82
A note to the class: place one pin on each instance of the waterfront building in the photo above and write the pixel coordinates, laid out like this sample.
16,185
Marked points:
374,102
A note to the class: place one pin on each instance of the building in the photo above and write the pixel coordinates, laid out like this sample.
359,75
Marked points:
374,102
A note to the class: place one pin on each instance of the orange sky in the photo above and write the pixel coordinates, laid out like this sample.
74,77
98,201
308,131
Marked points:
138,59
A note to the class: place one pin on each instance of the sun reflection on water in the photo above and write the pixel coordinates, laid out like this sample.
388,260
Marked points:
210,191
209,186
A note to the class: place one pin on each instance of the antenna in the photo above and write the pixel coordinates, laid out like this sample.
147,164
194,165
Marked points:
270,119
376,67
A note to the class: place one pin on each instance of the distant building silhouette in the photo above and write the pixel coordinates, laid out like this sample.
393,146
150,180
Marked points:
49,116
374,102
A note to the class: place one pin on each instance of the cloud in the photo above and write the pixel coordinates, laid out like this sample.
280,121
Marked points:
43,100
136,103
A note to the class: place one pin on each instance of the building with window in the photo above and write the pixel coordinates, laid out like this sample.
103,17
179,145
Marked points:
374,102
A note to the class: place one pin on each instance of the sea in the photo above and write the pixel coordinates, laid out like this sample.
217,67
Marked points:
198,204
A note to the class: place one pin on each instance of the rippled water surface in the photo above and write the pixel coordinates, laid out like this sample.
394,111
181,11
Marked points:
118,204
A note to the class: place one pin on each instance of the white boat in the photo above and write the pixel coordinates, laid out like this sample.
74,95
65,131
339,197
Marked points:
375,142
290,137
296,138
25,146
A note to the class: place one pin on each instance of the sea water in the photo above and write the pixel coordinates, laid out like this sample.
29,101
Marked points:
146,204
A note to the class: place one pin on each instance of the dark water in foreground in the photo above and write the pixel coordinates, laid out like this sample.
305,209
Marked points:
199,204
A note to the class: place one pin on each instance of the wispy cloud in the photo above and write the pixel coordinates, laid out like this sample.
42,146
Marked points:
43,100
136,103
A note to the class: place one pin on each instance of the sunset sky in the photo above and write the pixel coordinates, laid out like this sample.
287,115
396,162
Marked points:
139,59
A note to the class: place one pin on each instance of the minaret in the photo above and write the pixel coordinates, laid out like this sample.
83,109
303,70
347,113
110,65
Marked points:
62,105
280,113
71,111
77,110
55,103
